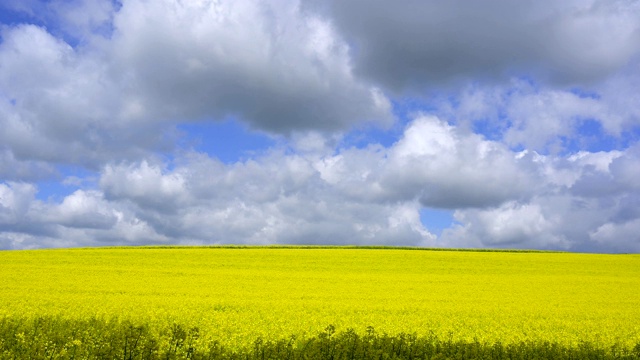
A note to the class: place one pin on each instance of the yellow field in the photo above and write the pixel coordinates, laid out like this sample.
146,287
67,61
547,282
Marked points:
236,295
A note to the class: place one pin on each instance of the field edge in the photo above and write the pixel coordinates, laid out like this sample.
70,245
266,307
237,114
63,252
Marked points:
298,247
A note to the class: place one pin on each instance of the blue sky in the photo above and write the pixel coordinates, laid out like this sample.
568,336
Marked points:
491,124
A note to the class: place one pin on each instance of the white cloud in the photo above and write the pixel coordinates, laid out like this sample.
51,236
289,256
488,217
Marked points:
274,66
84,210
500,93
83,218
583,206
372,195
416,45
278,198
540,118
527,115
448,168
15,199
59,106
119,97
145,184
13,169
510,225
622,237
620,93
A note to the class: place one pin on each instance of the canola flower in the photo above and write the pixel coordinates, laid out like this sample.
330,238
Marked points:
236,295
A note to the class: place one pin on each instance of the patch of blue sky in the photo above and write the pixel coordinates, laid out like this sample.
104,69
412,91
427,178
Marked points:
70,179
436,220
229,141
585,93
11,17
13,13
404,110
491,129
363,137
592,137
53,190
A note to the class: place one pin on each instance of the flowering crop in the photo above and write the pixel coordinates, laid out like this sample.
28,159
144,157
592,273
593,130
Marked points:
236,295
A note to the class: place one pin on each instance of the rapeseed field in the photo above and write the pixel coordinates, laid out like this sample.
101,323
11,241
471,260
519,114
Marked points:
233,297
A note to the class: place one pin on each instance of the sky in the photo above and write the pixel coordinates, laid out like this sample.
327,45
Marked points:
475,124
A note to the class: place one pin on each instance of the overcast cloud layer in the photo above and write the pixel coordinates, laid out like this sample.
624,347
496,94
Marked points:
520,119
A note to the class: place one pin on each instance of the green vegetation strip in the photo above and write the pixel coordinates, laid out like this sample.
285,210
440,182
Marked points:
56,338
316,247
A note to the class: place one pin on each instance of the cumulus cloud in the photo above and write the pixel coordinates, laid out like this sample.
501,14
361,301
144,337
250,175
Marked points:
439,165
520,119
510,225
12,169
417,44
85,210
585,206
275,199
58,106
14,201
524,114
163,63
451,169
269,63
83,218
356,196
621,237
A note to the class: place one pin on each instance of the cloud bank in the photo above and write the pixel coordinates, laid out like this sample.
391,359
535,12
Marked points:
522,122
